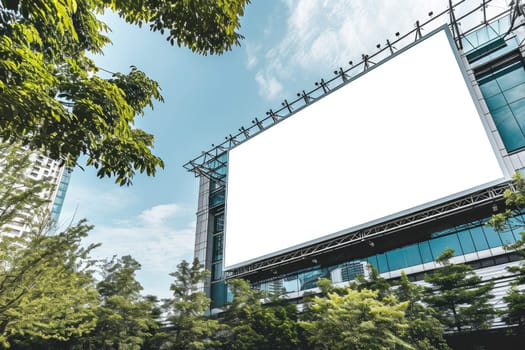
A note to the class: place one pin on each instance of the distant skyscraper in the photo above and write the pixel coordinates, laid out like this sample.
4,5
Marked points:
42,167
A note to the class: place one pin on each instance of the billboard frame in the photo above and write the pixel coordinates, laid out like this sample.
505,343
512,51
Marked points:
406,212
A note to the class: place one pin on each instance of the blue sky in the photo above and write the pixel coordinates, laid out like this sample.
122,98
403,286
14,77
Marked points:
288,46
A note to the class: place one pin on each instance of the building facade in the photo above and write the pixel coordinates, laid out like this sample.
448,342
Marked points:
41,168
492,53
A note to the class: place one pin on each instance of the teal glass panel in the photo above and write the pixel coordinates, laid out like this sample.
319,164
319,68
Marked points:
438,245
518,233
514,94
412,255
217,198
223,157
508,110
492,236
508,129
426,252
466,242
445,232
372,260
221,170
276,286
496,102
291,284
480,242
403,257
395,259
216,271
218,241
507,237
518,109
382,263
483,35
511,76
490,88
308,280
350,270
516,225
218,294
215,185
218,223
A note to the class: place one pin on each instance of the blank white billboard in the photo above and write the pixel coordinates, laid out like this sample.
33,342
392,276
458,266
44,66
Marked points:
404,136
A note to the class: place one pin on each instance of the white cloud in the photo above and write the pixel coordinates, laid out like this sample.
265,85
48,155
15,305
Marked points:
252,52
321,35
158,248
159,238
269,86
159,214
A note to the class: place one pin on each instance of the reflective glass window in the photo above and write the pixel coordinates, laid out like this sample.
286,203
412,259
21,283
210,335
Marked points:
508,128
218,241
217,197
426,253
438,245
372,260
479,239
223,157
515,93
516,225
275,286
403,257
518,108
510,77
350,270
218,294
504,93
218,223
216,271
507,237
492,236
309,279
490,88
291,284
221,170
382,263
466,242
496,101
215,185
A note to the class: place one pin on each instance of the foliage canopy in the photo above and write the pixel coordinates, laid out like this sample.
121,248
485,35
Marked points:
51,97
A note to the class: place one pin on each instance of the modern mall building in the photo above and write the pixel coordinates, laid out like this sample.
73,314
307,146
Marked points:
389,162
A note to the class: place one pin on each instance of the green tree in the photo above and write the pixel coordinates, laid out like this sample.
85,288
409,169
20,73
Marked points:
22,198
188,328
45,290
258,320
46,286
373,282
356,320
424,330
514,314
158,333
51,97
459,296
124,318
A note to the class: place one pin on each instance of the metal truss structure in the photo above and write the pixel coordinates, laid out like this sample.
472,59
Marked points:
209,161
486,197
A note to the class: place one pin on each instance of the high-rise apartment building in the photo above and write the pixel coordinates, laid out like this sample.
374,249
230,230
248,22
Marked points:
388,163
43,168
